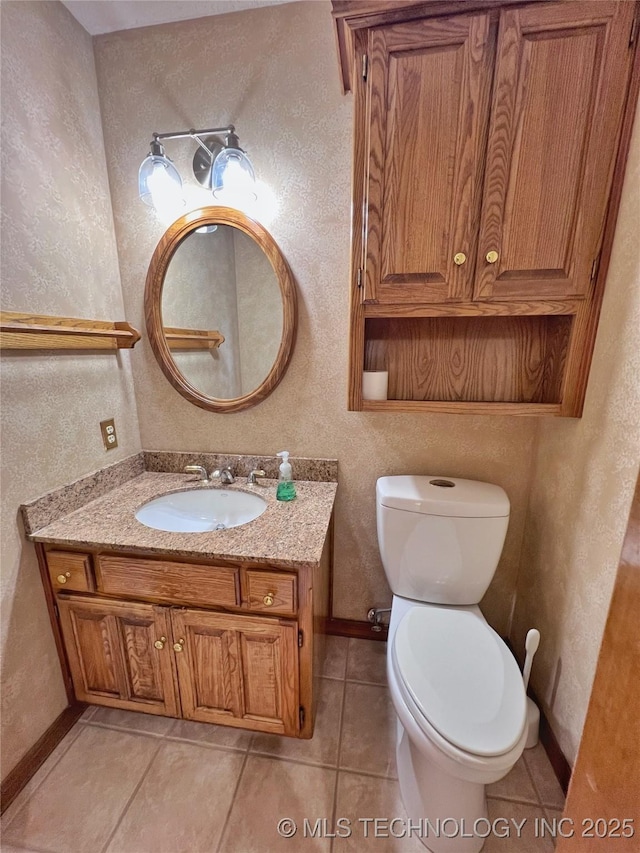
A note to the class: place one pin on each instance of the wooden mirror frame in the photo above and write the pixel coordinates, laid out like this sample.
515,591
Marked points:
162,256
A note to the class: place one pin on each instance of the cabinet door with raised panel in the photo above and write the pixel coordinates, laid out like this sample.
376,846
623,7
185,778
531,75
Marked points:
119,654
427,95
238,670
557,106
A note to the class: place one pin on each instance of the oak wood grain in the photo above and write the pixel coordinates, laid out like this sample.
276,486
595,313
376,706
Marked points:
279,586
606,784
192,339
478,309
237,670
71,571
160,260
112,656
22,331
354,16
557,106
166,580
470,359
429,84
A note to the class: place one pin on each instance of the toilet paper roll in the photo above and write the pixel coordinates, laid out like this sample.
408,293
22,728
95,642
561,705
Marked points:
375,384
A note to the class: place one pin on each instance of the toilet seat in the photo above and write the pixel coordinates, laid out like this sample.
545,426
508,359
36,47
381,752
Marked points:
462,681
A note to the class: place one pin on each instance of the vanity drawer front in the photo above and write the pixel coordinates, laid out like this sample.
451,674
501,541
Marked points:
271,592
164,580
71,571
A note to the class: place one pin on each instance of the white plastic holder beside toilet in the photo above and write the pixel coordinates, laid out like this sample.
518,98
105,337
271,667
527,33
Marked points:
375,384
533,712
533,723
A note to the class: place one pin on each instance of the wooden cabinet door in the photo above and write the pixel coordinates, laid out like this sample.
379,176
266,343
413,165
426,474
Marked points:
238,670
112,656
557,105
427,112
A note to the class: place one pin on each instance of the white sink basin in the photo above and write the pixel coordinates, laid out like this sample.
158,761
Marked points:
199,510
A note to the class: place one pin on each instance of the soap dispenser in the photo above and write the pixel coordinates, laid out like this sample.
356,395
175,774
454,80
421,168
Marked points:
286,490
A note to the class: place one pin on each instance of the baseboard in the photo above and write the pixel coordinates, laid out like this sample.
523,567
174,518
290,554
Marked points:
38,754
561,766
354,628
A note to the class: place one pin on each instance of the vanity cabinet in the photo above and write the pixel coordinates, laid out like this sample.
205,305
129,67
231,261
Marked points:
223,643
486,146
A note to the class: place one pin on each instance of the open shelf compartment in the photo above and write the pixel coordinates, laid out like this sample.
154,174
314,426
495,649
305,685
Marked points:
461,360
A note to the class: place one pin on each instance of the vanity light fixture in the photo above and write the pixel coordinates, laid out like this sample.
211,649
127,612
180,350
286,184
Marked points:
219,164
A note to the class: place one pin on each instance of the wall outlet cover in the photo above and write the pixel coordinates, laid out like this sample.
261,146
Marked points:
109,434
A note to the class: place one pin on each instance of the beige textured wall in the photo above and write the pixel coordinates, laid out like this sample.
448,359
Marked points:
273,72
200,293
58,257
585,473
260,316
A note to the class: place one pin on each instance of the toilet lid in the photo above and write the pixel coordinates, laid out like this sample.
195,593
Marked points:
462,678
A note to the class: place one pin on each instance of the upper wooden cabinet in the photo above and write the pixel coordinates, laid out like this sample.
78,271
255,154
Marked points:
428,95
487,172
558,97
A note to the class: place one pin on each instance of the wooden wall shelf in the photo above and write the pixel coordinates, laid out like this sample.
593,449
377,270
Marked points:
192,339
43,332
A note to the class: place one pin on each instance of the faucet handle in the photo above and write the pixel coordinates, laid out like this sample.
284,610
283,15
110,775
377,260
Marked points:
257,472
197,469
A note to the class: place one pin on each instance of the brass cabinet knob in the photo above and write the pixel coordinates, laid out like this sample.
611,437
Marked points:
63,578
268,599
459,258
159,644
492,257
179,646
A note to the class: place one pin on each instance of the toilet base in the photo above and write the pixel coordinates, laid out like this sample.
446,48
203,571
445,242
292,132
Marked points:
428,793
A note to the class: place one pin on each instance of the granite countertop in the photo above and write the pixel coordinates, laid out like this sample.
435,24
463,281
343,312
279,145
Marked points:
290,534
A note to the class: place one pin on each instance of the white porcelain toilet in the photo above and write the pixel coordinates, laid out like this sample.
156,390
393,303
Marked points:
455,686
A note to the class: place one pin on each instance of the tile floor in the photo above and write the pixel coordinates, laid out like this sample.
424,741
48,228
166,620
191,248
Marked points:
131,783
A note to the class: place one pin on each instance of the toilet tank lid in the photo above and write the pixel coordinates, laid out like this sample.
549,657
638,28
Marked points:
446,496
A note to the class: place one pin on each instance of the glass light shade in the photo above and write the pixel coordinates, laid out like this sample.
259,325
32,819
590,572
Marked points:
160,186
233,179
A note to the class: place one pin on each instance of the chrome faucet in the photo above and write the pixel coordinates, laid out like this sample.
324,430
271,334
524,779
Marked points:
257,472
225,475
200,470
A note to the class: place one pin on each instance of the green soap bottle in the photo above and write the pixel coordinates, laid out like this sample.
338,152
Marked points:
286,490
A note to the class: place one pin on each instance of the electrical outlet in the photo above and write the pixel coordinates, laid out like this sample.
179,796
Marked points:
109,435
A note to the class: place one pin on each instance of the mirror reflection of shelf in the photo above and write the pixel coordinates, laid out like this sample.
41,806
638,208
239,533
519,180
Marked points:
20,331
192,339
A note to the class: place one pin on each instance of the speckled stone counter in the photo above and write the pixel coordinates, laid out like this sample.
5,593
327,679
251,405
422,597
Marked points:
290,534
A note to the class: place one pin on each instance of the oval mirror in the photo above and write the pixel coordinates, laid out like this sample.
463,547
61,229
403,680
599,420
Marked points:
220,309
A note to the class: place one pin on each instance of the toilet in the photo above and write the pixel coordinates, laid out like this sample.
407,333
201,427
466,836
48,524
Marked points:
455,686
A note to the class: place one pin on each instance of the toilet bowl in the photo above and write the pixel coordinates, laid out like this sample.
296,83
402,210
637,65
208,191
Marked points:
456,734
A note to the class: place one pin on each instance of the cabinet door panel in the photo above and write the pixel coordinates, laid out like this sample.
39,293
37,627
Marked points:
112,656
428,109
270,674
238,670
558,99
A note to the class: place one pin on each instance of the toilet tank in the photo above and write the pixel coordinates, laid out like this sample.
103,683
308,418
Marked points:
440,538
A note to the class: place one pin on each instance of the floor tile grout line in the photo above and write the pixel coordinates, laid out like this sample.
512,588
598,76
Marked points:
368,773
518,800
205,744
112,728
288,760
9,821
32,849
533,781
232,803
131,798
334,805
